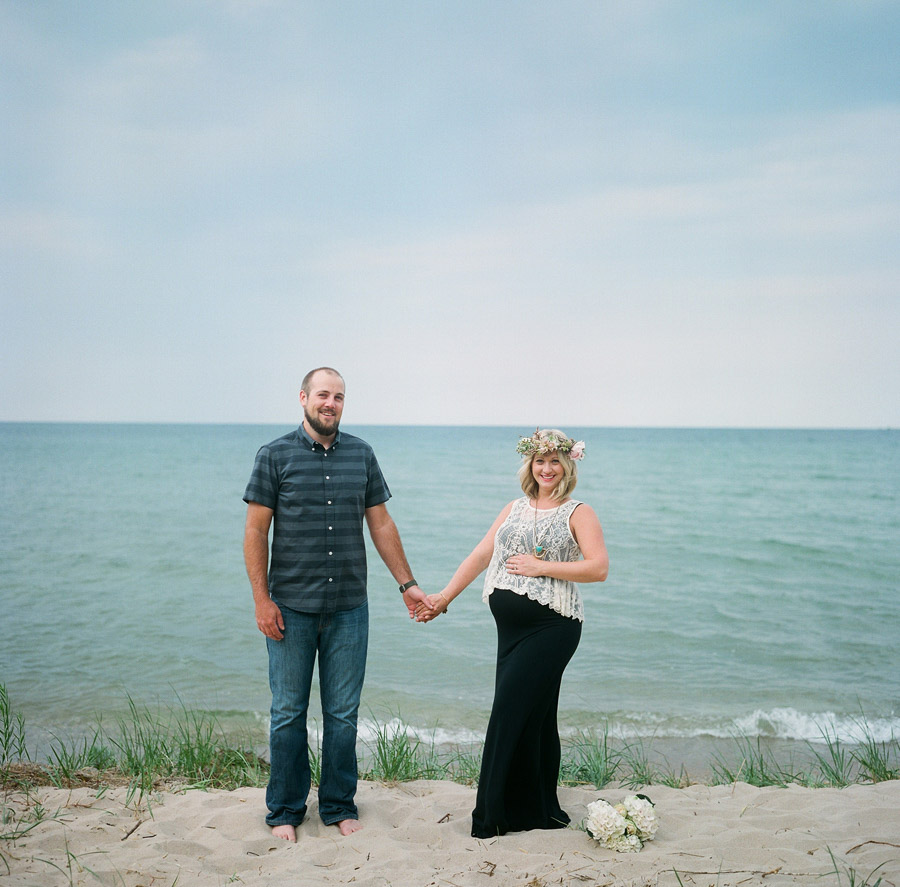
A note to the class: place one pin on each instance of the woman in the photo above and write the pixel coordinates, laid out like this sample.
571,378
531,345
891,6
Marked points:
534,552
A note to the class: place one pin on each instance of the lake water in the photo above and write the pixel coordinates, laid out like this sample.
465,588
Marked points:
753,583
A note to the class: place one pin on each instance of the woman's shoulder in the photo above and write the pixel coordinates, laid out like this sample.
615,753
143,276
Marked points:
577,509
581,511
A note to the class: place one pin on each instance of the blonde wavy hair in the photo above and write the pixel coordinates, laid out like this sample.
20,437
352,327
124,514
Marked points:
570,471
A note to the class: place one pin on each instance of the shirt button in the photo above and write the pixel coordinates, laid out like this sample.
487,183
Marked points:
331,528
329,501
330,580
327,477
330,553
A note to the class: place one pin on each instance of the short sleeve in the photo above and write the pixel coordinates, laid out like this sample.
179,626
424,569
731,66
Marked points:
263,485
377,492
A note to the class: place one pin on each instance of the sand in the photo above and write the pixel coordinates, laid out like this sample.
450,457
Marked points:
418,834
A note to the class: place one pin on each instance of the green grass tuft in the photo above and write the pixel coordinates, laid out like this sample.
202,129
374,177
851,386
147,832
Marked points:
757,767
590,758
12,732
854,879
188,748
835,766
877,761
395,756
639,771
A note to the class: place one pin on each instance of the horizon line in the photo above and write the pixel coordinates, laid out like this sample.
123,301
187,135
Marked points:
611,427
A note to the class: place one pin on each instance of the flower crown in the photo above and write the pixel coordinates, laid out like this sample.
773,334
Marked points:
548,442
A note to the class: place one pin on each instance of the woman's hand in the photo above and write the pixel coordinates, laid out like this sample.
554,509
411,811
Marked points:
525,565
438,604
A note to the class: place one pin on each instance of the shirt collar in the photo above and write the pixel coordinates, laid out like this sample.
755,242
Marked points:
314,444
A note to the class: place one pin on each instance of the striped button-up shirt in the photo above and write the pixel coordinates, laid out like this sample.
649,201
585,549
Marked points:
319,497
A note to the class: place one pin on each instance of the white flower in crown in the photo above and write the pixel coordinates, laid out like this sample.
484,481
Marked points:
547,442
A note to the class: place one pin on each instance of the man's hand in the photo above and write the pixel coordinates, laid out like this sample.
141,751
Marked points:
269,620
413,597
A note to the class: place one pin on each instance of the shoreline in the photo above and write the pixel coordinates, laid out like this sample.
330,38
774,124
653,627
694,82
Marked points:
392,755
194,746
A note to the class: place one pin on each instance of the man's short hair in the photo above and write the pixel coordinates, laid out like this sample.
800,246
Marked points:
307,379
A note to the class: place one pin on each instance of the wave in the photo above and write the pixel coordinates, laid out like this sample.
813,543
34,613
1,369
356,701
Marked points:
788,723
369,730
778,723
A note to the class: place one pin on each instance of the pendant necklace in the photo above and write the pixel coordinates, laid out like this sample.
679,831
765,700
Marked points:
539,550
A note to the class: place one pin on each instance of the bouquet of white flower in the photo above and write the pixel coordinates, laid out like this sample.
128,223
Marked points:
624,827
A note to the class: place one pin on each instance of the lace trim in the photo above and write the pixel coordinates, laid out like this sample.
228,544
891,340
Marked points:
516,536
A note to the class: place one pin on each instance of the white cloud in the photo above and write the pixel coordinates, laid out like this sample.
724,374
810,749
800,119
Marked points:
591,206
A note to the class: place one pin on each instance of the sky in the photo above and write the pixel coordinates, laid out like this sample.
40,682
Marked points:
482,212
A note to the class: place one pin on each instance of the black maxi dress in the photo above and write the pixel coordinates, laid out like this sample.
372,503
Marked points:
517,789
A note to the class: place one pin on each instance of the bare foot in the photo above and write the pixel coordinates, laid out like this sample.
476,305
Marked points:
349,826
285,832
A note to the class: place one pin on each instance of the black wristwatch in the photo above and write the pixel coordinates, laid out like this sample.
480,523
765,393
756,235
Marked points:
407,585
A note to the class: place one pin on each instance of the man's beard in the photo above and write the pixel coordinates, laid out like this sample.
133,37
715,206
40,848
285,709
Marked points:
320,427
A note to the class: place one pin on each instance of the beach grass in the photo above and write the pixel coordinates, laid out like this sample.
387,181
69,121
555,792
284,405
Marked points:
754,765
877,761
181,747
590,759
145,748
854,878
835,764
394,756
12,732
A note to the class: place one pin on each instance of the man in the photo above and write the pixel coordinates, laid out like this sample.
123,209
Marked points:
318,484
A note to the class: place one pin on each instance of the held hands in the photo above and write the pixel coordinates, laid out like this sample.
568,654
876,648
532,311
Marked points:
525,565
431,608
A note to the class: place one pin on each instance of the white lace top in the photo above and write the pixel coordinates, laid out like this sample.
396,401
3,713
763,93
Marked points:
516,536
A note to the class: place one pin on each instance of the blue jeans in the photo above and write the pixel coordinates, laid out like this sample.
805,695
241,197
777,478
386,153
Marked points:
340,639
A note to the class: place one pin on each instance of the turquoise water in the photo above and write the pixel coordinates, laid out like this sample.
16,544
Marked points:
753,583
